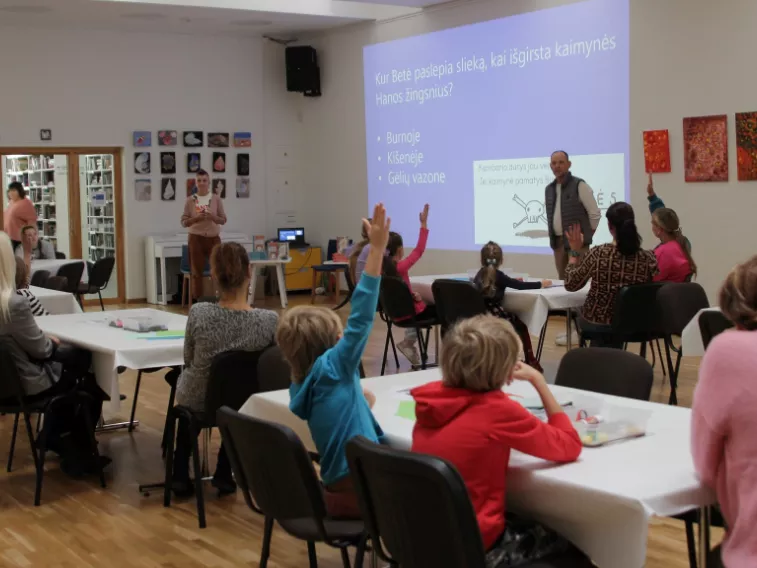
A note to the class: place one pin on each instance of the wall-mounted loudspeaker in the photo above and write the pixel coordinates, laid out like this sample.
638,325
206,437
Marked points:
303,73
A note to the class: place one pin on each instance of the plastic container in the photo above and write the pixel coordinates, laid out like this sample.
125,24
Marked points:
610,424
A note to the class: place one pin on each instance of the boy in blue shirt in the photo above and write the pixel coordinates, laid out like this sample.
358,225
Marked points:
326,390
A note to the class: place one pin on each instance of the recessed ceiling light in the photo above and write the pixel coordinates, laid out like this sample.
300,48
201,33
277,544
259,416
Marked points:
144,16
26,9
251,23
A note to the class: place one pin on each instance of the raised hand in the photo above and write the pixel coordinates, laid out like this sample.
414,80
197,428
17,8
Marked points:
377,228
650,186
546,283
424,217
575,237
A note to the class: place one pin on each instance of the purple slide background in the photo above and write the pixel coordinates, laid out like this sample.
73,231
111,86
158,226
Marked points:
574,103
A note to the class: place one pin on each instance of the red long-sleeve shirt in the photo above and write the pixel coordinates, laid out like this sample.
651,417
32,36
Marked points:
475,432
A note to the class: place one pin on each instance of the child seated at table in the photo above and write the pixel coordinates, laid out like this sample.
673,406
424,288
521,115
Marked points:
398,265
492,282
325,388
22,289
469,421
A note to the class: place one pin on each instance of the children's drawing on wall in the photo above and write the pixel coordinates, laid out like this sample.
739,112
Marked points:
167,137
191,187
243,187
219,162
142,189
142,162
193,163
219,187
168,189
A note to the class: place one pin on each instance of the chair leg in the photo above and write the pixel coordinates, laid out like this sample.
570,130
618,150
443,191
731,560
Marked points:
312,557
673,399
134,403
171,398
386,350
542,337
13,443
267,536
99,295
360,552
659,352
38,451
423,345
93,440
345,558
199,493
691,544
394,349
183,291
171,433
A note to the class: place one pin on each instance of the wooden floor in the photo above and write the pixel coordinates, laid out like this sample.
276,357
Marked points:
81,525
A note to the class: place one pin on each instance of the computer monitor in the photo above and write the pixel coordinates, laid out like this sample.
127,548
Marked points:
294,235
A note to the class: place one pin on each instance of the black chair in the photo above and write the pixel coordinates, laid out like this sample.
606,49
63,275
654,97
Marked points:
60,255
72,272
456,300
606,371
274,372
399,308
39,278
278,480
59,283
233,379
417,506
99,276
13,400
711,324
678,305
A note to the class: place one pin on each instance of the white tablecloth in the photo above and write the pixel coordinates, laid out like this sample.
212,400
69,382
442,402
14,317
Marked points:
56,302
602,502
691,337
53,264
112,347
531,306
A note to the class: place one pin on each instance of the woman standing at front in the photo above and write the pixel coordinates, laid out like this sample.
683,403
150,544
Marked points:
203,216
19,213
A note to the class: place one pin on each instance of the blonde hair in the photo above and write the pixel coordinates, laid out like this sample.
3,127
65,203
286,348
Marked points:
304,334
738,296
7,276
667,220
479,354
491,260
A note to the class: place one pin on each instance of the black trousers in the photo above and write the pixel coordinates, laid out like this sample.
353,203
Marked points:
184,452
606,341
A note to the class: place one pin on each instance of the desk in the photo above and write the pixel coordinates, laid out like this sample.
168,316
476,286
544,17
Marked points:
278,264
53,264
160,247
602,502
56,302
531,306
112,347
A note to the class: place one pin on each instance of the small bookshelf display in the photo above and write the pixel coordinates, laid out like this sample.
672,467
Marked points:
99,209
37,174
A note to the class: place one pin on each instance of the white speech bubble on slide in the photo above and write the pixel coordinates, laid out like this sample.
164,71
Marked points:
509,196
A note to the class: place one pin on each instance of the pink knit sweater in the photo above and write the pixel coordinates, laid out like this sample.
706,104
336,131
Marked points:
724,438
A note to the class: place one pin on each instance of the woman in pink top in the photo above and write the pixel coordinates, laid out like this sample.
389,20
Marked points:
724,421
19,213
203,216
674,261
396,265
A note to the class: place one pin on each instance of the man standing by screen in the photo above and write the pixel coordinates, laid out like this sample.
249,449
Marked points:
569,201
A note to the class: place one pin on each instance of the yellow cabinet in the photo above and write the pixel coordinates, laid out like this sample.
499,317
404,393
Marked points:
299,274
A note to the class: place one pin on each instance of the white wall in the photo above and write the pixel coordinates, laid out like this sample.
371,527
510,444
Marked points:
688,58
95,88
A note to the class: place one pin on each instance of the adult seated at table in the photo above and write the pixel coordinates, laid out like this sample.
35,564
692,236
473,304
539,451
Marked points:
674,260
609,267
724,420
22,289
212,328
47,368
34,248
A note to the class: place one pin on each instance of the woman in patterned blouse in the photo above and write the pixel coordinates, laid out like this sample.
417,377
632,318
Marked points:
610,267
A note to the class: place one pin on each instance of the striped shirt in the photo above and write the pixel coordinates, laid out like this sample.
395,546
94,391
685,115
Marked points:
37,308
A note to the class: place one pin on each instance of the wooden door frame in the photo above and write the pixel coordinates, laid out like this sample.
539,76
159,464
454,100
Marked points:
74,194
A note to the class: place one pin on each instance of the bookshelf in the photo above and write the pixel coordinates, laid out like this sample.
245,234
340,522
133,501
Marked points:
99,207
36,172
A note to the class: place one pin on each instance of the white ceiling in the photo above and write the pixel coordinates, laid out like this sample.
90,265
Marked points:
279,18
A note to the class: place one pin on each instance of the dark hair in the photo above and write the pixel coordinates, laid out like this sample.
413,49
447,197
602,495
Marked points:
18,187
552,155
621,218
491,260
667,220
21,274
201,172
230,265
394,245
357,249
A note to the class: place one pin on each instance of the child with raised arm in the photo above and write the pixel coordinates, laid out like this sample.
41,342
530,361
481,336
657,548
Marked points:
325,388
467,420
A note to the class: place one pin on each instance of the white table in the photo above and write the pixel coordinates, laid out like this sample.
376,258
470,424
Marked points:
52,265
112,347
278,264
56,302
531,306
602,502
691,337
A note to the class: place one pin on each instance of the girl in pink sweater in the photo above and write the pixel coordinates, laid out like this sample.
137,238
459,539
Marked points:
396,265
724,421
674,261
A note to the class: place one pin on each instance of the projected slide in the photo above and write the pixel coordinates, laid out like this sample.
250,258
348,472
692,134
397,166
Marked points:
466,119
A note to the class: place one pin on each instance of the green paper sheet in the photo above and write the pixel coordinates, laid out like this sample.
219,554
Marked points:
406,409
170,332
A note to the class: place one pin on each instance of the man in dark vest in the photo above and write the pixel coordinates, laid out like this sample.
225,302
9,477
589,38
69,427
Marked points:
569,201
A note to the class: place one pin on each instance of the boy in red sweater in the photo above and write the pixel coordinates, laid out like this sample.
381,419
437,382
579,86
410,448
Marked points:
467,420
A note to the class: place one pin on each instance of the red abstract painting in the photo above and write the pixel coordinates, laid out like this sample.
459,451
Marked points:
705,146
657,151
746,145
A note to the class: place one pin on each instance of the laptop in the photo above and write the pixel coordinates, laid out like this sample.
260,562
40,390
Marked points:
294,236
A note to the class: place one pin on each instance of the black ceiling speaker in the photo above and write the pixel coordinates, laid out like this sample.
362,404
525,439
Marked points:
303,73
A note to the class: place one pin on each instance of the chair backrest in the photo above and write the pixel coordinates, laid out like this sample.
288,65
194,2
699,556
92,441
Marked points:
457,300
636,311
59,283
184,265
72,272
396,299
272,468
274,372
60,255
11,387
679,304
711,324
39,278
233,379
416,506
606,371
101,271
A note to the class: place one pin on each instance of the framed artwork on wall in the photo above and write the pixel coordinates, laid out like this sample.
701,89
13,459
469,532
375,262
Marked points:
194,163
142,138
219,162
218,140
219,187
705,146
168,189
141,162
167,137
193,138
657,151
746,145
